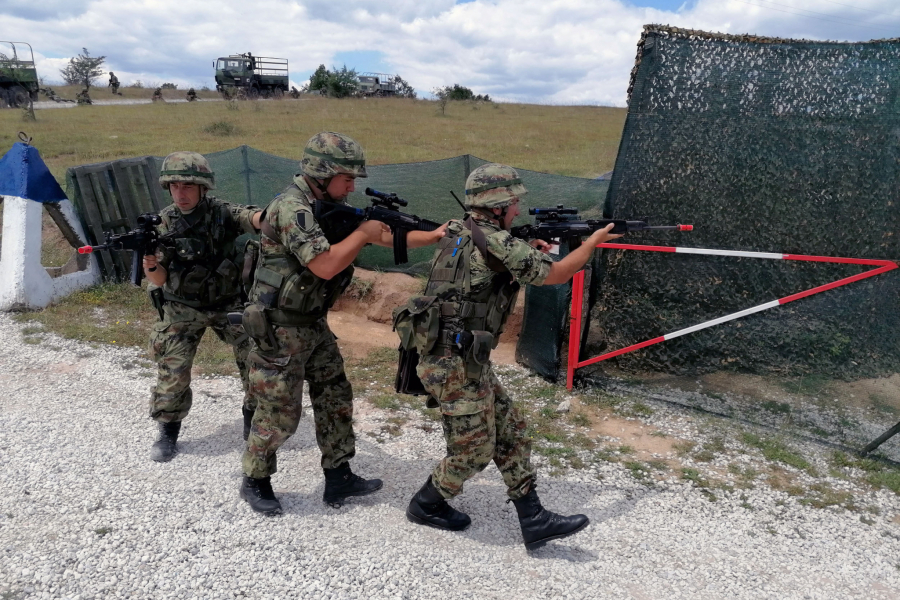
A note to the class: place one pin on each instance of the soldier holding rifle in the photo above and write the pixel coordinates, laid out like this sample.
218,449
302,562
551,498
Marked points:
197,284
299,276
475,277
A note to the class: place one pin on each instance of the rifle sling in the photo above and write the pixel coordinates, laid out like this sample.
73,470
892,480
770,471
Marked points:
480,241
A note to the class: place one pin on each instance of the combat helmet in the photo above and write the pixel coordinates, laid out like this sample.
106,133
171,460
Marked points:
187,167
328,154
493,186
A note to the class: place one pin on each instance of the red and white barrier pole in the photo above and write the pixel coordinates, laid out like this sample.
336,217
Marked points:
883,266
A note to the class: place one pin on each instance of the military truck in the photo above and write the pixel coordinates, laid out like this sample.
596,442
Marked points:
18,78
376,85
251,76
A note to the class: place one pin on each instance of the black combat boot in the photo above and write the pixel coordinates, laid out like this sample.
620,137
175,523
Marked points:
164,448
540,525
248,420
341,483
428,507
259,495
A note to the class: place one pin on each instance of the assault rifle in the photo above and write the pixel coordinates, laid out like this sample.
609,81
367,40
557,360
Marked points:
562,224
142,241
339,220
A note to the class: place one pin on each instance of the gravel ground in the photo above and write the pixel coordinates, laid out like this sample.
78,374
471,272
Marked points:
85,513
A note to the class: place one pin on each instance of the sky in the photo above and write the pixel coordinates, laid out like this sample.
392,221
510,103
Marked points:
535,51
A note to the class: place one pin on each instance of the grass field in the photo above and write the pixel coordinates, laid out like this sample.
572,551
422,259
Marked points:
578,141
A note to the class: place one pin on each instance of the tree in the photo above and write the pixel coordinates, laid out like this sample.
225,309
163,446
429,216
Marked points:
83,69
342,83
443,96
319,79
404,90
459,92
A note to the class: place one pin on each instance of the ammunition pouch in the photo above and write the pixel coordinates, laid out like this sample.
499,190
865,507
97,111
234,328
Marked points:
257,326
418,323
407,380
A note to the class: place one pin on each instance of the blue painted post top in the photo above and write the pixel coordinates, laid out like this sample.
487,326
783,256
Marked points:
24,174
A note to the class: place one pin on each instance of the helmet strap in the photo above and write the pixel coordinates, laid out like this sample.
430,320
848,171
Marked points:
319,190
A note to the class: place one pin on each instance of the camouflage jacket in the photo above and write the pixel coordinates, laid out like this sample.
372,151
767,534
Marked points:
291,240
198,250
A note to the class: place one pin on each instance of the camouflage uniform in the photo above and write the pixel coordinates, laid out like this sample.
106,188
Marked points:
191,95
157,95
175,338
83,97
479,419
302,352
475,277
113,83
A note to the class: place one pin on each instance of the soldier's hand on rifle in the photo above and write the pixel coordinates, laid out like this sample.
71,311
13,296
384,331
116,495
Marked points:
541,245
603,235
375,231
150,262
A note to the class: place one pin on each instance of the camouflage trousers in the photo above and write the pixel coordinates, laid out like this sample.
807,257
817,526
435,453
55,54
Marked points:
307,353
480,424
173,345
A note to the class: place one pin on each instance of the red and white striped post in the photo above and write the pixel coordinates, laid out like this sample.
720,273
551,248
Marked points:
883,266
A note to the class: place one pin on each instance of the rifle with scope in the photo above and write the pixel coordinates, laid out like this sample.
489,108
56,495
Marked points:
142,241
563,224
340,220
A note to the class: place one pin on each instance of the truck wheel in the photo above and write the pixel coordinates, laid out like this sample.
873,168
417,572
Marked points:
278,93
18,96
253,93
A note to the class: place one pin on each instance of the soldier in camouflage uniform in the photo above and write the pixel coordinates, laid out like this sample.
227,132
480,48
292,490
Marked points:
83,98
113,83
475,277
299,276
191,95
197,284
157,95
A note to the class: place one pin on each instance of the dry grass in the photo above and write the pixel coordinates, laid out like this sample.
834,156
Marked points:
567,140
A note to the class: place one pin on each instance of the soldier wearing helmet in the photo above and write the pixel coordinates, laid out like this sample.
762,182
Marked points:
299,276
475,277
195,282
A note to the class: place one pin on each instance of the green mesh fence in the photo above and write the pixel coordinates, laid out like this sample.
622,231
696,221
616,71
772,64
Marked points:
765,145
248,176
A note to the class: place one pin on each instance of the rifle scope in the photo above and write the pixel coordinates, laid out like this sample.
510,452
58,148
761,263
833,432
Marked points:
392,198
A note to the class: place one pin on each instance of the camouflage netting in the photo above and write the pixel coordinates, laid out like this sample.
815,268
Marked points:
766,145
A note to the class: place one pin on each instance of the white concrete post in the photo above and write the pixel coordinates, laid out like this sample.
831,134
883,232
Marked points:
24,283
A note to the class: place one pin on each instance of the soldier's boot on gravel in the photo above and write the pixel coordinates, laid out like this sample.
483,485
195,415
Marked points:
539,525
259,495
164,449
428,507
341,483
248,420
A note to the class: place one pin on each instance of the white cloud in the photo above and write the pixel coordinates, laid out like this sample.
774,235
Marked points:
562,51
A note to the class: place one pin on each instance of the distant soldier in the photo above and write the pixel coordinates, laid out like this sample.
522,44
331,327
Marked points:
113,83
157,95
191,95
83,98
197,284
295,93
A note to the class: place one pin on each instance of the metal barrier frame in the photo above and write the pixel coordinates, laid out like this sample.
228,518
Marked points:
575,314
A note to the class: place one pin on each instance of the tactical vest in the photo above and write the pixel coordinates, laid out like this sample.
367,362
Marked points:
202,272
290,293
450,318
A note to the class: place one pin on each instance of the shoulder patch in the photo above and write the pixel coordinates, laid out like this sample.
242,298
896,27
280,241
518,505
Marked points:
304,220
